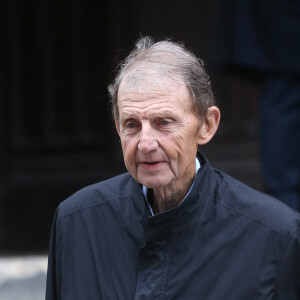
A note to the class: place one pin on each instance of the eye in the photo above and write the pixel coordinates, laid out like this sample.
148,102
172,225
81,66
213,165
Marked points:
164,122
131,125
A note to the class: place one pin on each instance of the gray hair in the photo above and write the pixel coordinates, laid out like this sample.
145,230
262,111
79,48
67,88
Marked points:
172,60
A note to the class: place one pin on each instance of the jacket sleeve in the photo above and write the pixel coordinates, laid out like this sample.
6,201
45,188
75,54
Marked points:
53,273
288,285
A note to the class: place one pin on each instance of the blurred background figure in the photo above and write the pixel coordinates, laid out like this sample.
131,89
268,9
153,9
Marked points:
259,39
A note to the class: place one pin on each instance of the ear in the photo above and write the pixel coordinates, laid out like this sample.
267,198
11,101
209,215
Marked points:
117,126
209,125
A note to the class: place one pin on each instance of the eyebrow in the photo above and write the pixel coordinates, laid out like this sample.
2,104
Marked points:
126,116
164,114
156,113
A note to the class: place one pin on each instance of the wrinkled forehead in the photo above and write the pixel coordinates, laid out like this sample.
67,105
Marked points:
156,95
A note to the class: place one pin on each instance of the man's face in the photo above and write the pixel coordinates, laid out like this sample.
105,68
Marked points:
159,133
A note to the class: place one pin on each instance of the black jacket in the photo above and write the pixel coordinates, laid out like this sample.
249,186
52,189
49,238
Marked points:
225,241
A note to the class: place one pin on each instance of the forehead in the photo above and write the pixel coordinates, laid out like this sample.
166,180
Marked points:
153,94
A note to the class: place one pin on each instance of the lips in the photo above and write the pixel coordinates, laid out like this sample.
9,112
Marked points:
151,165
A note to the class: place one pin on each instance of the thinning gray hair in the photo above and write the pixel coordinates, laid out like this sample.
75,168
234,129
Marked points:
169,59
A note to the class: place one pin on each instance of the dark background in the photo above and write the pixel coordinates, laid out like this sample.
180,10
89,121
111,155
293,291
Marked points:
56,133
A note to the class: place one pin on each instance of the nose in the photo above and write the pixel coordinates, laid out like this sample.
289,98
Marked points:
148,142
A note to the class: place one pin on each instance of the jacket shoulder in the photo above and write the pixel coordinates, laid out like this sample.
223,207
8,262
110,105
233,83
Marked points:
96,194
255,205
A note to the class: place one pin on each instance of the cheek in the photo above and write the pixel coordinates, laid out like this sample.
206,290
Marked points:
182,143
129,151
184,147
175,149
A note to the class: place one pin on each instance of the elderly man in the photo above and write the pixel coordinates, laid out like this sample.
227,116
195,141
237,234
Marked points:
173,227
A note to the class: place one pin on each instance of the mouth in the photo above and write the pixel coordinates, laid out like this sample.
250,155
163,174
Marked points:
151,165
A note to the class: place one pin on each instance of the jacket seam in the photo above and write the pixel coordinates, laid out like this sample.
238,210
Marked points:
92,205
258,220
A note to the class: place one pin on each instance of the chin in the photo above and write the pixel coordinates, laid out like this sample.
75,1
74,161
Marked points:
155,182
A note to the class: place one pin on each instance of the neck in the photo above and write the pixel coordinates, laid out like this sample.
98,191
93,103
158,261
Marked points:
169,197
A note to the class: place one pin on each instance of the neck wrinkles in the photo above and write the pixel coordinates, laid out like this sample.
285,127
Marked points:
170,197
